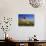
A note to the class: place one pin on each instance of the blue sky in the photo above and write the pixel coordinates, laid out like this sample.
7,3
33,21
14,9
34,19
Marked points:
29,16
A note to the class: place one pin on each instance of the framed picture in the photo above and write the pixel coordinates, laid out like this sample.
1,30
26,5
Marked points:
25,19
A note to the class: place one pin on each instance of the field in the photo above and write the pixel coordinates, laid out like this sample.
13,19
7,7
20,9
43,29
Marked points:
25,23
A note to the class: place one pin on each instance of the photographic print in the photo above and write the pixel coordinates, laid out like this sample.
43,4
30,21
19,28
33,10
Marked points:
25,19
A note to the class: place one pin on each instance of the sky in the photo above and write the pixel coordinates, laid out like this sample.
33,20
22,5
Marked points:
24,16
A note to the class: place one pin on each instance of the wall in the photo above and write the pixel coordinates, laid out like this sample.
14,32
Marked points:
11,8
